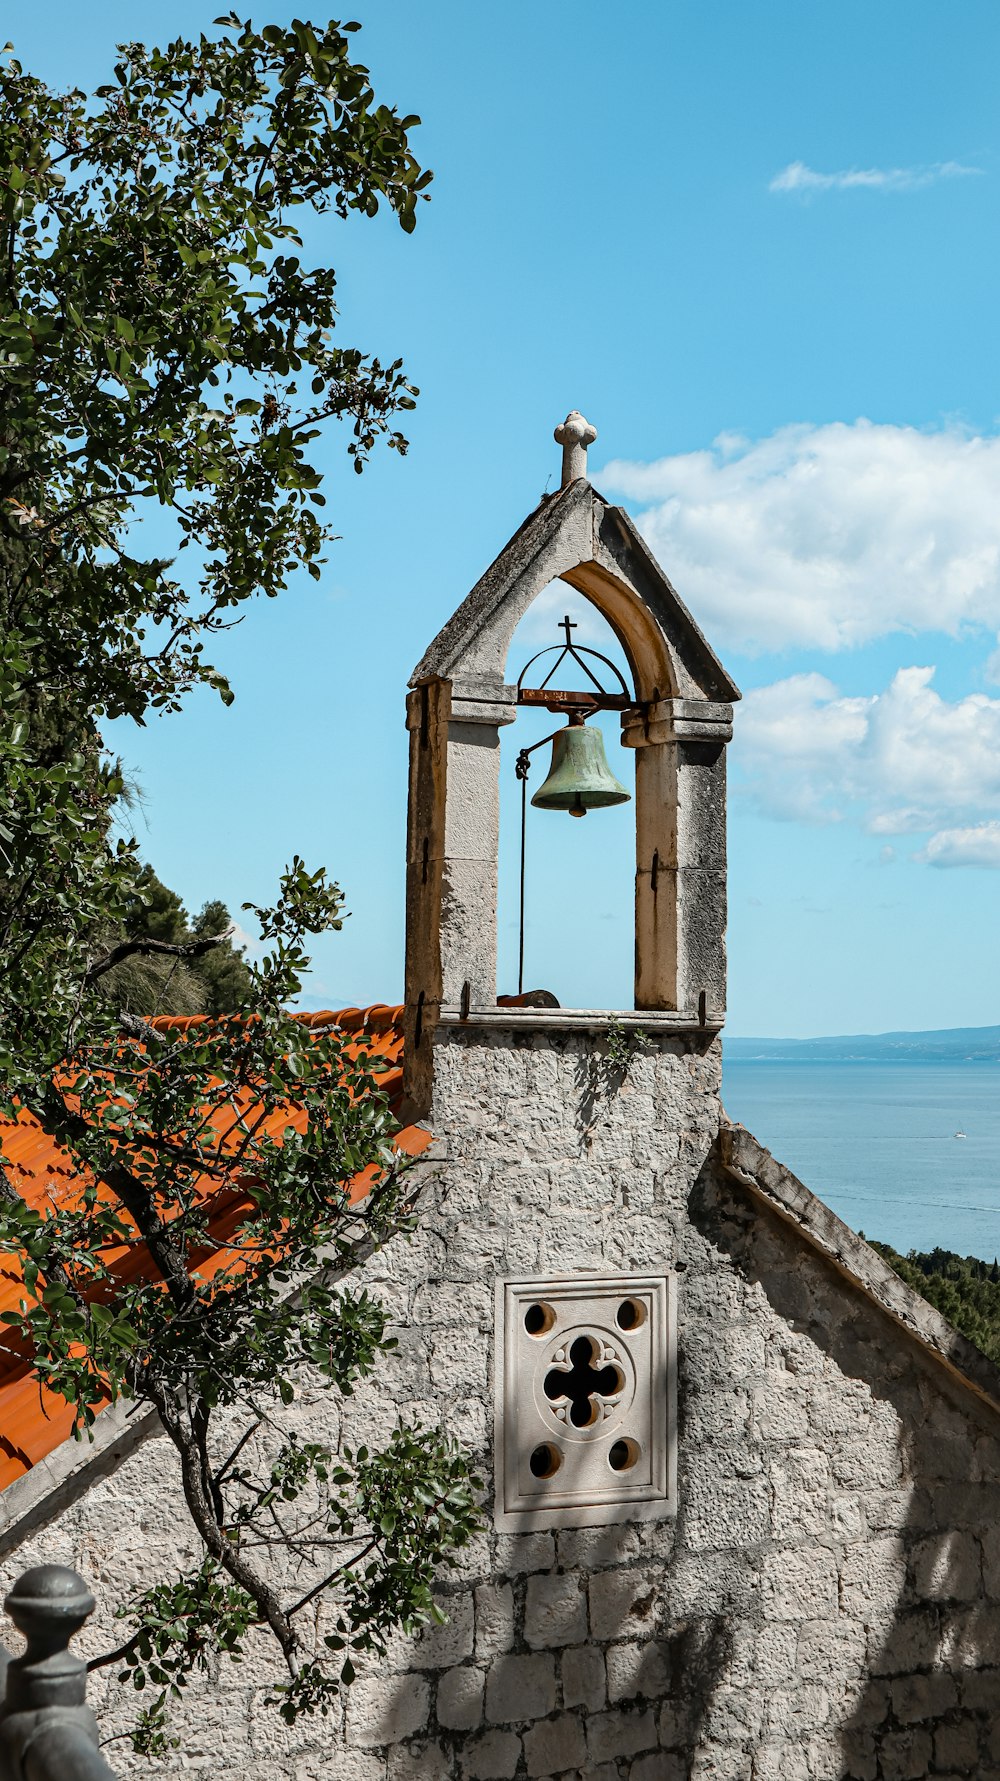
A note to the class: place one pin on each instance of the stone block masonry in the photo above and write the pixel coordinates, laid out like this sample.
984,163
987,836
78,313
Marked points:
824,1607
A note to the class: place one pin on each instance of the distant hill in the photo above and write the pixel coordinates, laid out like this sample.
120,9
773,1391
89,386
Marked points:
950,1045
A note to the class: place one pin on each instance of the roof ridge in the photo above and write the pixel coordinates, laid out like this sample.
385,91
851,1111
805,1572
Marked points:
749,1163
377,1016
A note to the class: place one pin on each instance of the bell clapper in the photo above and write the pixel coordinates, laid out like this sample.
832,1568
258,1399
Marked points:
576,720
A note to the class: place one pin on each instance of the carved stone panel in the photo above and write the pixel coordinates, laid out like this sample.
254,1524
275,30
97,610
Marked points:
585,1400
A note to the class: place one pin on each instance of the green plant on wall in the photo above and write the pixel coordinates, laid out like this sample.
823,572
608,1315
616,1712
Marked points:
622,1045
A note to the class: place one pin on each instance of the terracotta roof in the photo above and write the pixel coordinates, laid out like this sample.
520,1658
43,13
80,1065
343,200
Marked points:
34,1421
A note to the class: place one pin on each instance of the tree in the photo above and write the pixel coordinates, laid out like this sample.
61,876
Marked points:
216,981
164,347
963,1288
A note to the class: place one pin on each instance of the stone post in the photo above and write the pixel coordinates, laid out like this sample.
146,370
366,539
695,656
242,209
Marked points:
47,1733
479,707
680,882
469,887
452,853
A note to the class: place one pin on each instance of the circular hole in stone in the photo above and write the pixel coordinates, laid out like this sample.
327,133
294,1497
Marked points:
545,1461
623,1456
539,1319
630,1314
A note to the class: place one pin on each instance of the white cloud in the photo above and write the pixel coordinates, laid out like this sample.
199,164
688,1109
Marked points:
797,177
796,742
978,846
826,536
904,761
991,667
251,943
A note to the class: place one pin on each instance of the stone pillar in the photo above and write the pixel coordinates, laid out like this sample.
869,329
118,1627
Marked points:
452,853
479,707
428,708
702,731
680,884
657,982
469,887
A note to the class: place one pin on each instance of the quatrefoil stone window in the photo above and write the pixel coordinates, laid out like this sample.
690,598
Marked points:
584,1404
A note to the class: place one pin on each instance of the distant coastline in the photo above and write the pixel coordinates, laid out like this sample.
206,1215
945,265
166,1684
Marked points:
949,1045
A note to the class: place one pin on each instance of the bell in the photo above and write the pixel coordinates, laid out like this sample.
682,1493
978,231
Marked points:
579,778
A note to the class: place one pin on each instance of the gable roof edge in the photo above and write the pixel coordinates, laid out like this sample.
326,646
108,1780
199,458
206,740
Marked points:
535,532
61,1477
634,540
775,1187
576,526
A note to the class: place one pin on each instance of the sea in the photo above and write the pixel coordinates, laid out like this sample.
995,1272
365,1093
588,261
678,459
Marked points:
879,1142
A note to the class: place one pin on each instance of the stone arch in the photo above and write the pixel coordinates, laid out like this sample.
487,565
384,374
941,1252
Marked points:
647,648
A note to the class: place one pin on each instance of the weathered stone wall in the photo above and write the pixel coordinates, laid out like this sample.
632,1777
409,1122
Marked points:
827,1602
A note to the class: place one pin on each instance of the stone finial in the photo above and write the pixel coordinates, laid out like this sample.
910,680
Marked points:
574,436
48,1604
45,1727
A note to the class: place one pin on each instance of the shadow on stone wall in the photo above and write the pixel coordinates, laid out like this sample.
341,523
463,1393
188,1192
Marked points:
598,1076
915,1533
700,1655
583,1652
631,1699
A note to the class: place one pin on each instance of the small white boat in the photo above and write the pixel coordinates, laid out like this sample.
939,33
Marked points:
961,1134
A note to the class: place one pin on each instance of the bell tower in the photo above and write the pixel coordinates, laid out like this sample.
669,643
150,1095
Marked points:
678,718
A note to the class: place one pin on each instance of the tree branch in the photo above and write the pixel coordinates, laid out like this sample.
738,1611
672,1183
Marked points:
332,1578
221,1474
126,949
221,1548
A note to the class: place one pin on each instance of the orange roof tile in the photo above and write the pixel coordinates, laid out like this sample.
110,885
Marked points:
34,1421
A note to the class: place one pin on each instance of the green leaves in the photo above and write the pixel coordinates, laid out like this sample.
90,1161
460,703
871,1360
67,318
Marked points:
126,302
183,1625
165,346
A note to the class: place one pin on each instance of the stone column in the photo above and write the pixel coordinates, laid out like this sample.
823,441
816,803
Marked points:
680,884
452,852
472,842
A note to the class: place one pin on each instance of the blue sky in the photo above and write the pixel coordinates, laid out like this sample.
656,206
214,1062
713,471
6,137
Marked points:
654,214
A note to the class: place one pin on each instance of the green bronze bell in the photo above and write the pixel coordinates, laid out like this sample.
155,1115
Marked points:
579,778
